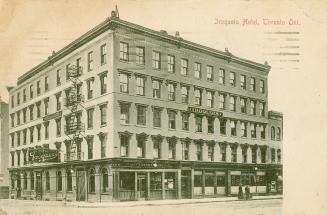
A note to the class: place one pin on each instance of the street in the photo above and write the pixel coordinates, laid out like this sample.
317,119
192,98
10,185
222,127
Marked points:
252,207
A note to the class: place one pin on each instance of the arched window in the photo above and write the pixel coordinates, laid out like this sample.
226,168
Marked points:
25,181
278,133
273,133
91,181
47,181
104,179
279,155
59,181
32,181
69,181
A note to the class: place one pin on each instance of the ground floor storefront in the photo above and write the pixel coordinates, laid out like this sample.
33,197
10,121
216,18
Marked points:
124,179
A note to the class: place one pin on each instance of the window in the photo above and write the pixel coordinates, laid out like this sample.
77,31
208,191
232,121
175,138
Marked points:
12,137
18,117
253,130
156,64
209,73
124,143
156,149
210,152
92,181
171,63
197,70
233,128
211,127
262,86
198,97
252,107
31,95
278,135
58,78
12,116
184,67
124,113
18,98
123,51
222,101
221,76
185,121
18,158
244,155
58,101
89,141
103,141
141,115
89,86
263,154
38,109
232,80
171,150
12,159
103,83
140,147
243,129
252,84
31,134
38,129
24,136
171,92
24,115
59,181
90,118
12,101
46,84
123,83
103,51
234,153
67,72
157,117
32,180
58,127
140,86
46,106
46,130
140,53
198,123
24,95
47,181
103,112
209,99
90,61
198,179
262,109
273,155
198,151
156,91
279,155
18,138
172,119
184,94
232,103
222,124
254,155
243,82
31,107
273,133
185,150
243,105
38,87
104,180
69,181
262,131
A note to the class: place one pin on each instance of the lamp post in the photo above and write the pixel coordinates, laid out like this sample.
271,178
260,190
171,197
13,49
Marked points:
256,185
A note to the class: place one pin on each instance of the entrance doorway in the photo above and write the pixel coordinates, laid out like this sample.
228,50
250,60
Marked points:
81,185
141,186
38,188
18,188
186,184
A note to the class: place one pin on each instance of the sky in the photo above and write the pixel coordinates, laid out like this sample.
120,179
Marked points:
31,29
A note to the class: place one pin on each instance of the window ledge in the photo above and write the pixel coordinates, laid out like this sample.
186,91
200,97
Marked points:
141,126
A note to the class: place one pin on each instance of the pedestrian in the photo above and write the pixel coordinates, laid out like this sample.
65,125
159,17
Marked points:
247,192
240,192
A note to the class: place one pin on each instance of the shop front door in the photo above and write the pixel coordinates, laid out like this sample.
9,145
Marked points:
38,188
186,184
141,186
81,185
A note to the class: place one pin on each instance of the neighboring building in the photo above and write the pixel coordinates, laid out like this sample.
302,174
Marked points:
4,149
140,114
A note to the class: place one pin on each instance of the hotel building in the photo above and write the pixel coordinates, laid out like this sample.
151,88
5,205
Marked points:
128,113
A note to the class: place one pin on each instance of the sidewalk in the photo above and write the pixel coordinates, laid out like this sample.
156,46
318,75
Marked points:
13,202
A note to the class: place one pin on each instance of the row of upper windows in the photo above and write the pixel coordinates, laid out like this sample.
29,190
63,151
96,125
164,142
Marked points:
185,70
58,121
198,94
141,119
46,84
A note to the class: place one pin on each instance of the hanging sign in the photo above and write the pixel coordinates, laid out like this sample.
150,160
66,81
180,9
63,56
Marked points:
40,155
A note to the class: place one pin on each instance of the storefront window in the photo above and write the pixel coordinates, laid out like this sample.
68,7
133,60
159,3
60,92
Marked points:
169,181
221,180
209,179
155,181
105,184
235,180
127,181
198,179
